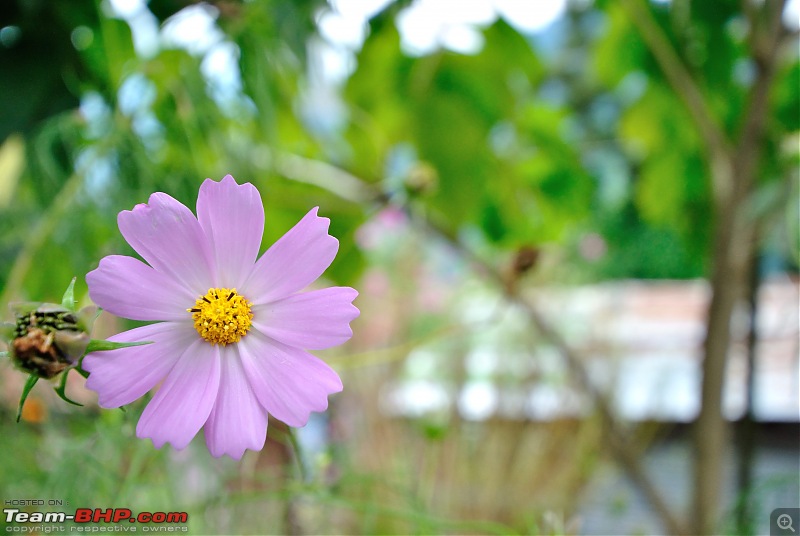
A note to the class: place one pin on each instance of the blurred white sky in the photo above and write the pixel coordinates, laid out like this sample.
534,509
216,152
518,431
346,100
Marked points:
425,26
430,24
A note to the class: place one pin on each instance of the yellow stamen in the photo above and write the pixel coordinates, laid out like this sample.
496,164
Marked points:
222,316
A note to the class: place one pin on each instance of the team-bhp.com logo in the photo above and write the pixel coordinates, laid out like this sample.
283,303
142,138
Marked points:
157,521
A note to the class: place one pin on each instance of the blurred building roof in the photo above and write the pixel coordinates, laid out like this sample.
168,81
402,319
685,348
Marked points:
642,343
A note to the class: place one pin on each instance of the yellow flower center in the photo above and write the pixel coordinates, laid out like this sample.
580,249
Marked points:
222,316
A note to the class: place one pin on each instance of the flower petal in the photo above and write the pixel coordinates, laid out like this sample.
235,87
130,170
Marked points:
296,260
182,405
238,421
289,382
121,376
232,217
168,236
312,320
129,288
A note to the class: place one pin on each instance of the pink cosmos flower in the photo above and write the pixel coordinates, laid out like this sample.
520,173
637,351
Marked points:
230,345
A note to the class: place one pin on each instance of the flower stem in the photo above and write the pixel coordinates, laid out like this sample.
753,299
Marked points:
297,453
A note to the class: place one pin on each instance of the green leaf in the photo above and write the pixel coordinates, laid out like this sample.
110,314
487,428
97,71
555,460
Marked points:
96,345
110,54
786,98
32,379
620,50
68,301
61,390
660,193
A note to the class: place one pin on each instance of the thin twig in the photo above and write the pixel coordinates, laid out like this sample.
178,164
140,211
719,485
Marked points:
681,81
621,446
618,437
324,175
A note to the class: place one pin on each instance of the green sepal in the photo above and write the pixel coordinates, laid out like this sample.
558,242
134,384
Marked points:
24,308
98,345
87,316
68,301
6,332
61,390
32,379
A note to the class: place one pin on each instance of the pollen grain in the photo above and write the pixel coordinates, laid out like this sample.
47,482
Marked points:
222,316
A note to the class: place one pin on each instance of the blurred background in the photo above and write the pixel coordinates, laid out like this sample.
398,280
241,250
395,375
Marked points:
574,227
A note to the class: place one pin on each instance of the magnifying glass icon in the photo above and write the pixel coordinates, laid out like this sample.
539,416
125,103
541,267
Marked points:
785,522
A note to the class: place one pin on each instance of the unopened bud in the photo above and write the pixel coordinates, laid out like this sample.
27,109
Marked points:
47,340
422,179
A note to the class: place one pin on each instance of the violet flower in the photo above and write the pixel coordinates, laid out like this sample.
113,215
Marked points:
232,333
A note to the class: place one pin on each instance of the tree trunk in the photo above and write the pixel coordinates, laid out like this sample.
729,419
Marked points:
732,238
734,246
745,522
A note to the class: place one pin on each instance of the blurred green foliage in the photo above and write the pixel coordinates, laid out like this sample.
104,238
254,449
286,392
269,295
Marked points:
527,144
570,142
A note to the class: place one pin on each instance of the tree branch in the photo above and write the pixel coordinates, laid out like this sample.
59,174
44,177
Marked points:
618,438
681,81
766,41
619,442
326,176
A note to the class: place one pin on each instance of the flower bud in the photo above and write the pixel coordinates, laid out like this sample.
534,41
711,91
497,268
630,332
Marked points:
422,179
47,339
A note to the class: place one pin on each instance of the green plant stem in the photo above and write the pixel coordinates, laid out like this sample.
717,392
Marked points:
38,237
138,461
297,454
